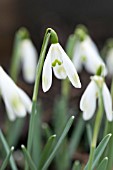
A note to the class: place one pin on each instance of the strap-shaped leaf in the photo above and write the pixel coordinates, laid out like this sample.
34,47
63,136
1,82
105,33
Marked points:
65,131
89,133
103,164
76,136
16,128
7,150
37,134
28,158
47,150
99,151
6,160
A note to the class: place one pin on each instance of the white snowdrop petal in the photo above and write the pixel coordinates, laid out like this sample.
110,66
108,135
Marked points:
109,61
69,68
47,73
94,60
25,100
77,57
71,71
93,45
19,109
55,53
107,102
9,91
59,71
9,110
88,101
29,60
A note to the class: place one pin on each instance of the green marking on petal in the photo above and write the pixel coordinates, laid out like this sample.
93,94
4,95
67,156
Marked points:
56,62
83,58
75,78
60,70
15,102
45,81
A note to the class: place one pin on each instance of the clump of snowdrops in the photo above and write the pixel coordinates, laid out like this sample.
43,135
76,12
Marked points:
94,114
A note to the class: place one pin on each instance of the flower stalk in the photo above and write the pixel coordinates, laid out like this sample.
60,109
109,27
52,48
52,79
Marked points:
49,35
96,129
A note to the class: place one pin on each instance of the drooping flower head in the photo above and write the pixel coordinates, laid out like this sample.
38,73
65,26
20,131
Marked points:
86,53
16,100
88,100
62,66
24,56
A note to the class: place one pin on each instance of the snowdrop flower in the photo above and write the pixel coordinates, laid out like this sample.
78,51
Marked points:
16,100
86,53
29,60
62,67
109,61
88,100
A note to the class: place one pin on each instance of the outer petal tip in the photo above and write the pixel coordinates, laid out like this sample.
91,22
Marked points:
45,84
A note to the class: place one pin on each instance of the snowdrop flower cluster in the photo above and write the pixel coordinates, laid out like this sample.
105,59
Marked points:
86,53
88,100
62,67
16,100
28,56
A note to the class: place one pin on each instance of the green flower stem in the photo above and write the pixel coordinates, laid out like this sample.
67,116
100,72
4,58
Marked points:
40,64
96,129
54,39
49,34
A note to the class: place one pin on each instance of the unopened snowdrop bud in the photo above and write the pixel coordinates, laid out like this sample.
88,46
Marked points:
86,53
62,67
16,100
88,100
29,60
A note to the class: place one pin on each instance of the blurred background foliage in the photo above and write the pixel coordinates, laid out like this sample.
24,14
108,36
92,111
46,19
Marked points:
61,15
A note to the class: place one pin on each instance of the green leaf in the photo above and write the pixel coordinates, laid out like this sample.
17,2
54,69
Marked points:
89,133
63,135
47,150
5,162
109,150
7,150
36,148
15,127
76,136
47,130
76,165
60,118
103,164
28,158
99,151
31,126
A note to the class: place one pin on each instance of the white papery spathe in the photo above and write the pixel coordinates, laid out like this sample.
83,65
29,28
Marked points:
28,55
62,67
87,54
109,61
88,100
16,100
